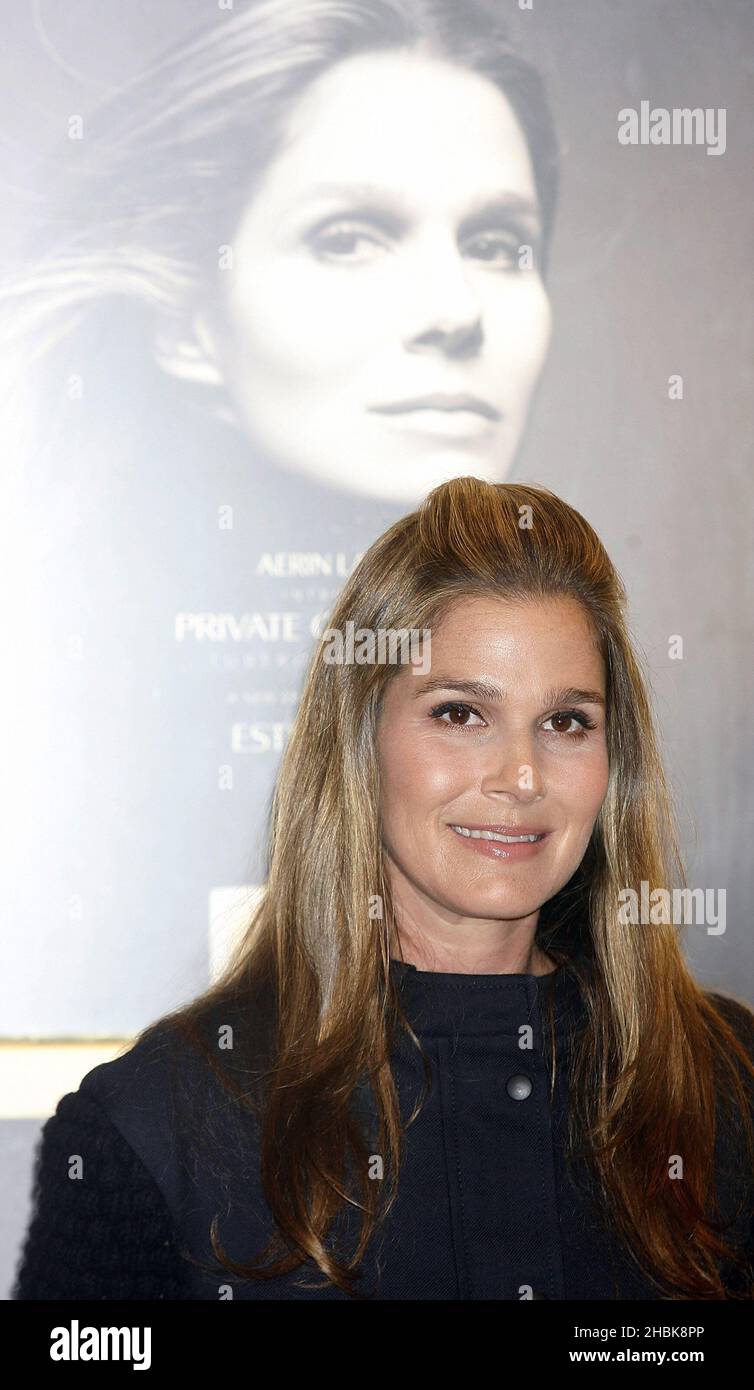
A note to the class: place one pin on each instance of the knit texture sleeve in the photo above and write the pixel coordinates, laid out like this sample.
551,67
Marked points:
100,1227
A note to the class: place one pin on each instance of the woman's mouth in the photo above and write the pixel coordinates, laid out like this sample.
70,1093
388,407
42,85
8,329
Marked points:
499,845
449,424
453,415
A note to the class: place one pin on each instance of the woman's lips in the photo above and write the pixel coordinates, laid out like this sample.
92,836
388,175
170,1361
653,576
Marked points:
497,849
447,424
450,401
455,415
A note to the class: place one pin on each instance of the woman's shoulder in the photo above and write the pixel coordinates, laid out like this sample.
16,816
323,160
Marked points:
187,1088
210,1046
737,1014
117,1165
739,1017
99,1225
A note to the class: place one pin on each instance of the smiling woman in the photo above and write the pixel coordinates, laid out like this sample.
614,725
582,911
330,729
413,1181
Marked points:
440,1064
520,781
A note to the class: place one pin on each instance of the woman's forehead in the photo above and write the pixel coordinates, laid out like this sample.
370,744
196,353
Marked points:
374,116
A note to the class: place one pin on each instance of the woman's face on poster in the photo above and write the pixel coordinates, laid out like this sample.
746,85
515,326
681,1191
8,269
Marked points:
378,266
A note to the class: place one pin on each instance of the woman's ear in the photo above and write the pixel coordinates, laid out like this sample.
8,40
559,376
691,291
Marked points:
189,351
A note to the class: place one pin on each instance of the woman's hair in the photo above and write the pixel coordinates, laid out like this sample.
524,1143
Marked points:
655,1055
144,203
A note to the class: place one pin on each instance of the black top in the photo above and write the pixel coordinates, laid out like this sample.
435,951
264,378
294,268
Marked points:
487,1207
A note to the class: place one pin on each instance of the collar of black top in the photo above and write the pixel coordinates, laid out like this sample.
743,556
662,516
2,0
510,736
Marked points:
440,1004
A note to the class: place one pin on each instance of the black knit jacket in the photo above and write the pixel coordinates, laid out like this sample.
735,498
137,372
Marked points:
488,1207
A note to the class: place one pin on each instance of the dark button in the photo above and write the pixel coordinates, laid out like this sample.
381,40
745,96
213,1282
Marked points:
518,1087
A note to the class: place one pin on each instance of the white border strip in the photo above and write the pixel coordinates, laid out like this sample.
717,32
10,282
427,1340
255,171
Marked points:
35,1075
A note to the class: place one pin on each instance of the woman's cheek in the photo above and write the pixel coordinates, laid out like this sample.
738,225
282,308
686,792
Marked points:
527,324
583,784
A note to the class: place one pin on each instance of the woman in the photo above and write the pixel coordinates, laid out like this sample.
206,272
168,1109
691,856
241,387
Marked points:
330,223
442,1064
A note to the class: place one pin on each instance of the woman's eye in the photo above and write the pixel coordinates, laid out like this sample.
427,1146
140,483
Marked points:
339,241
496,247
455,709
570,717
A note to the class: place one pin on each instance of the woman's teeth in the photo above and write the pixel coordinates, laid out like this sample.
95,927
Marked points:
492,835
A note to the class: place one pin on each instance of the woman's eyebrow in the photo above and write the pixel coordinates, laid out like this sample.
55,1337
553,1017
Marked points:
484,690
512,208
500,205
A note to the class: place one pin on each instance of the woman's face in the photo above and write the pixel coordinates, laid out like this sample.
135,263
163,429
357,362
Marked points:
520,759
378,264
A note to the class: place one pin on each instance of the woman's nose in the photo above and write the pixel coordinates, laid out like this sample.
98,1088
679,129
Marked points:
444,306
513,768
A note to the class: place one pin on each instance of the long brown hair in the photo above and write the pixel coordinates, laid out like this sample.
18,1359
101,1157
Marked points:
657,1055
